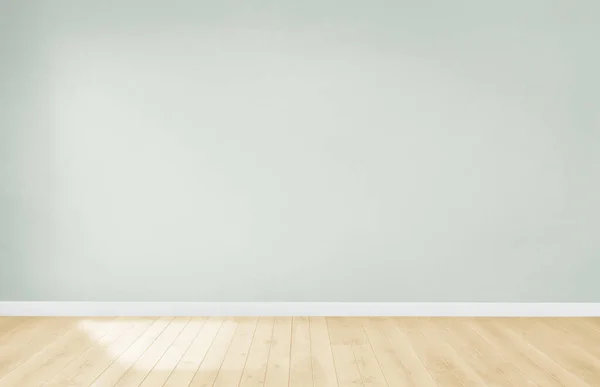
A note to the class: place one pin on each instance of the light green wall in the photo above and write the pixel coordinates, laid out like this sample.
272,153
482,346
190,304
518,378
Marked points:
300,150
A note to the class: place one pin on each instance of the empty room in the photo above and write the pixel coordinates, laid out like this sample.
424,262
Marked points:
300,193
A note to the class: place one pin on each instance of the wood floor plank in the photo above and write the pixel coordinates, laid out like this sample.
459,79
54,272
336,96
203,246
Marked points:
516,354
258,357
54,356
578,334
419,374
230,373
136,374
123,363
278,366
348,373
395,372
367,362
101,359
592,322
9,324
207,373
435,354
92,355
300,353
163,369
561,352
469,365
323,367
22,342
191,361
486,357
24,346
541,359
68,348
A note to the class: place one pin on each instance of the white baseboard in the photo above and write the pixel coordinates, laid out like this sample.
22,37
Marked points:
71,308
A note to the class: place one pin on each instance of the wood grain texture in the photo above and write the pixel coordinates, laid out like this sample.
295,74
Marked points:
300,351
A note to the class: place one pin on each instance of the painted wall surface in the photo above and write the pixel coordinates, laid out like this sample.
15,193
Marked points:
300,150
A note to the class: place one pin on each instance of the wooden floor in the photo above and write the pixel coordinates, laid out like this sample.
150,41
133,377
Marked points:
299,351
